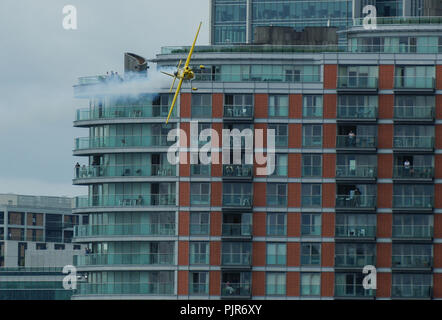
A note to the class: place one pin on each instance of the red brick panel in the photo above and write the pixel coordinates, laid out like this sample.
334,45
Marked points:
330,76
293,224
185,168
293,284
185,135
438,142
216,190
259,253
328,224
185,105
327,284
258,283
293,254
295,106
217,141
437,254
329,135
437,229
294,195
259,192
438,166
215,283
437,285
439,106
385,195
183,282
217,169
215,253
217,105
328,165
383,285
437,196
295,135
384,225
383,255
386,76
439,77
328,195
329,106
183,223
385,166
184,194
183,253
295,163
328,254
216,223
386,103
261,105
385,136
259,224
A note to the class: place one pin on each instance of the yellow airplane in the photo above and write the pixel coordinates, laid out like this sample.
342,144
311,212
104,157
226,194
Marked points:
184,73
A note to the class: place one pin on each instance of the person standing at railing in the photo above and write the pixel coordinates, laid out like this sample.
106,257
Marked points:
407,167
352,138
77,170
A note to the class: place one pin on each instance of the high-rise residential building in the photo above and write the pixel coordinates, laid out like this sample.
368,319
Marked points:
35,245
357,179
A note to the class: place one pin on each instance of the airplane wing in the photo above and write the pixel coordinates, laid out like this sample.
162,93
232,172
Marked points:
174,98
170,75
193,47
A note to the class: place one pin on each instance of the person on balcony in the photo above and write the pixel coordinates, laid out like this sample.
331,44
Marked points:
407,167
77,170
352,138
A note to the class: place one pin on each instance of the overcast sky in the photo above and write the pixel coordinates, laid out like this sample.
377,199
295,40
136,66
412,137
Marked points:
40,62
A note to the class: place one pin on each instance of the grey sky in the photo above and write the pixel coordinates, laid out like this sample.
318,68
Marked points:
40,61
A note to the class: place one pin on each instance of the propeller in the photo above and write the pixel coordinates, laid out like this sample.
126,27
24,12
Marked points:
175,75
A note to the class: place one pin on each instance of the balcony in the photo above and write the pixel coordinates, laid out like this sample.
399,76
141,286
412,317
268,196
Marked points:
152,229
357,83
354,232
123,112
362,113
354,261
351,290
417,202
413,113
407,84
238,171
125,259
413,142
237,200
236,259
411,291
126,200
412,232
157,170
121,142
154,288
356,172
236,290
238,113
236,230
413,173
356,202
412,261
357,142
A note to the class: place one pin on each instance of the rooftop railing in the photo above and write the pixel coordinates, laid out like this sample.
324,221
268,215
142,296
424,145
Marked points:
123,112
162,170
145,200
118,288
121,142
144,229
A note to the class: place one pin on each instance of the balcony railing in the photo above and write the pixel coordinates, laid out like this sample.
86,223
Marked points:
356,260
122,142
358,171
200,169
311,201
199,288
124,112
412,231
353,231
236,289
86,172
236,259
200,199
413,142
151,229
199,229
414,82
238,170
312,171
310,259
276,201
126,200
357,112
237,200
413,201
154,288
357,82
411,291
238,112
201,111
411,261
413,172
413,112
125,258
356,201
236,229
199,258
311,230
353,290
356,142
312,142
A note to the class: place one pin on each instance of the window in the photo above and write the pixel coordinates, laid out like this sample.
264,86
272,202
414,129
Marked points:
311,194
414,76
199,283
310,284
200,169
199,193
312,165
236,253
275,283
281,165
412,255
77,247
58,246
310,253
276,224
2,218
354,254
412,226
277,194
278,106
17,218
355,225
411,285
281,134
276,253
237,194
199,223
312,106
199,253
238,105
201,126
312,135
40,246
311,224
201,105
